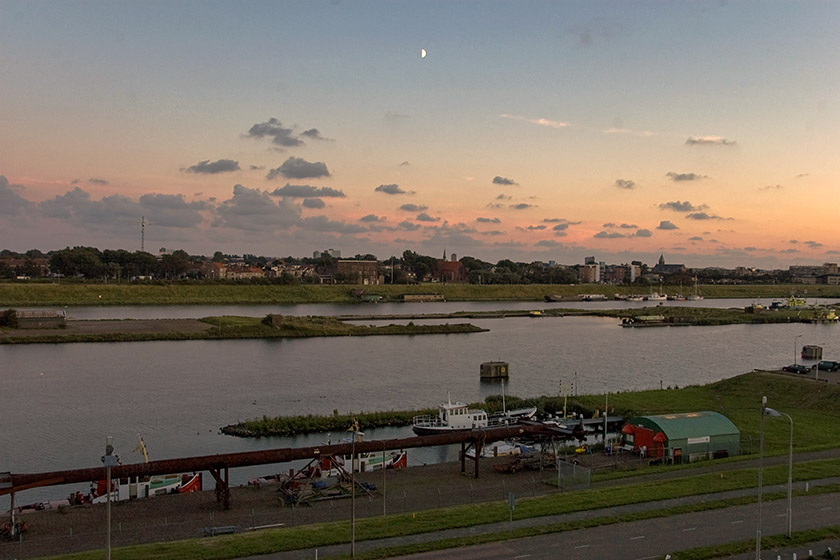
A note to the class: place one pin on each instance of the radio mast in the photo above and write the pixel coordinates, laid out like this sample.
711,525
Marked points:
143,234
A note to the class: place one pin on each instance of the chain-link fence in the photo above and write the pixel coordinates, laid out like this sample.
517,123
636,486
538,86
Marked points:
175,517
572,476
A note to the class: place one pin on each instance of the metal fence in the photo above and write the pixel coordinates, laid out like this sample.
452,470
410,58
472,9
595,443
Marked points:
176,517
571,476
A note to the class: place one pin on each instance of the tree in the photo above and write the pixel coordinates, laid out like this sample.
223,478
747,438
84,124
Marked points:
175,264
84,261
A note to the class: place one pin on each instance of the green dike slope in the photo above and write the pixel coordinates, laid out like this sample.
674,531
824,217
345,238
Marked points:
33,294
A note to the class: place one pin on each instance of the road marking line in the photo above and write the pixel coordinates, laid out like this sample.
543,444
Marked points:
825,508
523,556
781,515
738,521
582,546
689,529
637,538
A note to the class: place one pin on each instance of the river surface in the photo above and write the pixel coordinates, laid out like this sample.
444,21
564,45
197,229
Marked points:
60,401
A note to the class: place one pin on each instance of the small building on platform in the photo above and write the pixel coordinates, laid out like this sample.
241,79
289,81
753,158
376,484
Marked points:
683,437
495,370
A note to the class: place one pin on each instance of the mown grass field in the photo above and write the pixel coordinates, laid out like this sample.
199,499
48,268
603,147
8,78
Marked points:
33,294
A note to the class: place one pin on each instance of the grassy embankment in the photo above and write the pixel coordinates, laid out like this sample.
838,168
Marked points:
233,327
31,294
811,403
816,426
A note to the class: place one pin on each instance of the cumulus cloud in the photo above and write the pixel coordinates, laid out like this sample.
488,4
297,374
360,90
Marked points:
390,189
678,206
666,224
532,228
503,197
325,225
274,129
680,177
620,226
11,203
625,184
705,216
498,180
253,210
412,207
771,188
608,235
172,210
314,134
372,218
695,238
314,203
521,206
97,181
481,220
426,218
537,121
218,166
299,168
813,244
709,141
113,213
307,191
644,233
408,226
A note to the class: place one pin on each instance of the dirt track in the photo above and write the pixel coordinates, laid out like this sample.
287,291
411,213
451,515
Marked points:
127,326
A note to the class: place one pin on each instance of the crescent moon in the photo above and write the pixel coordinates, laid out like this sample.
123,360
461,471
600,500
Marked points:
422,53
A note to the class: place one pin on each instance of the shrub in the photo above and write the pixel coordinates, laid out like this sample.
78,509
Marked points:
9,319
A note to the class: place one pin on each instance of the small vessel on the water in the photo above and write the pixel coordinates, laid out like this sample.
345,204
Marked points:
451,417
458,416
695,295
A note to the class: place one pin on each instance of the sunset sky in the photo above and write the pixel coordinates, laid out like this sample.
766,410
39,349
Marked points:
705,131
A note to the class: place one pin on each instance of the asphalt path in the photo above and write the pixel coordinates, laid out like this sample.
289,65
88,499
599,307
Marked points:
638,540
654,538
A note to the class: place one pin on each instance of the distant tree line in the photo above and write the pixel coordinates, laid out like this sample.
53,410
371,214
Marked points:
92,264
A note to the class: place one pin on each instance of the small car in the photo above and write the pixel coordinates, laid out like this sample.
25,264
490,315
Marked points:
827,365
796,368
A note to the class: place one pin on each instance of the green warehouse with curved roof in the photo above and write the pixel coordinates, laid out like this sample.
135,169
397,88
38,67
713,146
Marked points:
682,437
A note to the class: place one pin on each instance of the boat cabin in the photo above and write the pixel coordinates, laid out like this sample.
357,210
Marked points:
458,416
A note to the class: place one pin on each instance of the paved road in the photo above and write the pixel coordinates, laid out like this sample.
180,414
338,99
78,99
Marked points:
652,538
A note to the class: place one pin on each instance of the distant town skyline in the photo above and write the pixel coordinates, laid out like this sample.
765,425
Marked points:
705,131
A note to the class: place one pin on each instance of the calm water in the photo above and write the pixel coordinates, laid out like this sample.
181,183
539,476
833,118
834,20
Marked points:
60,401
198,311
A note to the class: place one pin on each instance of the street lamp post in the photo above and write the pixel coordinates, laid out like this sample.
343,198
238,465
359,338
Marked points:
353,497
760,475
795,338
772,412
109,460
